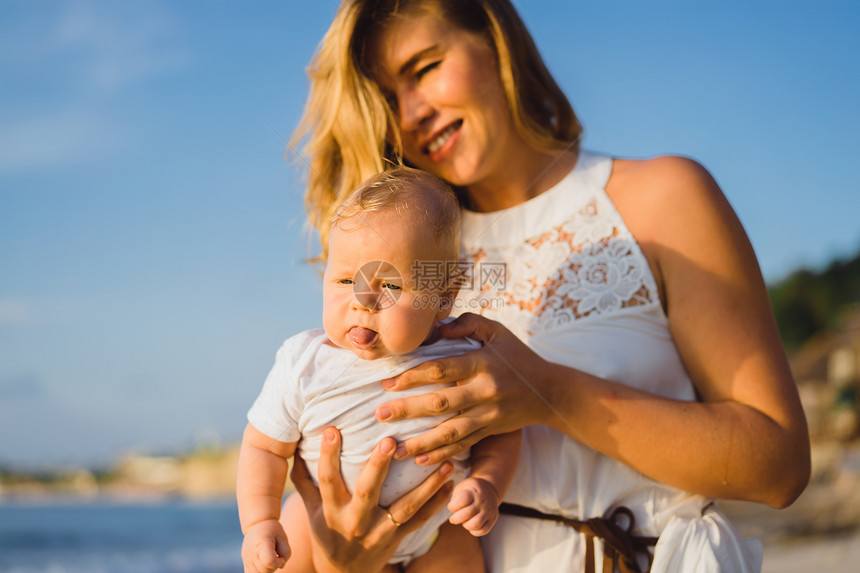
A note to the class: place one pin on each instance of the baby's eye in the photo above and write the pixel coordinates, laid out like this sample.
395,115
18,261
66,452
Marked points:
391,286
345,282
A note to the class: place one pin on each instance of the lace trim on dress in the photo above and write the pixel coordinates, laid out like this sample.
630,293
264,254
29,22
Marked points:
589,265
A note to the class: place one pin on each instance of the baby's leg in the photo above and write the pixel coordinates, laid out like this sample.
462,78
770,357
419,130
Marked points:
455,550
294,518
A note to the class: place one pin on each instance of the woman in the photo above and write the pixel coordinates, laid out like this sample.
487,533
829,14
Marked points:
632,336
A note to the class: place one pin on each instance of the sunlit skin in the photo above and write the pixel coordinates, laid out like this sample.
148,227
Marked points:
444,87
706,271
745,439
397,313
377,303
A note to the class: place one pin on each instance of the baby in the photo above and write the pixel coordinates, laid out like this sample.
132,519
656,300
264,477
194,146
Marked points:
382,299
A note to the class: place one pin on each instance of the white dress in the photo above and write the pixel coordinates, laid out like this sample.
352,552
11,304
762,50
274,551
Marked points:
563,272
313,385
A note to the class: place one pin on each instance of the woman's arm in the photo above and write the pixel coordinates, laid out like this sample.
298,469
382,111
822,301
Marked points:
745,439
352,532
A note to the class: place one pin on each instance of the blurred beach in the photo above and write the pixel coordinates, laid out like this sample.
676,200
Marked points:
177,515
837,554
821,530
110,536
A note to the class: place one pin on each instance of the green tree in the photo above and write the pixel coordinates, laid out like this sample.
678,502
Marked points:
807,302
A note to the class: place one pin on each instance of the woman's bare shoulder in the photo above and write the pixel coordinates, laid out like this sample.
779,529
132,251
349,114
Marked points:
665,175
673,206
660,196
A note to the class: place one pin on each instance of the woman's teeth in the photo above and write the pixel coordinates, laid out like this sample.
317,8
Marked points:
440,139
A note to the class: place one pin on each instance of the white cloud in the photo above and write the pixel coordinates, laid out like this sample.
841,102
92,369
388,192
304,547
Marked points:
119,49
53,140
65,68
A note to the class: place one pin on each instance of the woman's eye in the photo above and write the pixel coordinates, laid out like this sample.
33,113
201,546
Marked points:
429,67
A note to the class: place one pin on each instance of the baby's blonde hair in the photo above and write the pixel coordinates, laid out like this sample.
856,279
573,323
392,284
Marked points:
424,197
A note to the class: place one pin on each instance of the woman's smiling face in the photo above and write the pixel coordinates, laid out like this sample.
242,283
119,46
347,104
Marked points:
444,88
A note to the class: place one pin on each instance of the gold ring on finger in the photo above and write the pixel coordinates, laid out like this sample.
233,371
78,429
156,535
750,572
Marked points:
394,521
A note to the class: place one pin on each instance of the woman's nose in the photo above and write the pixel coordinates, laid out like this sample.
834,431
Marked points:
414,109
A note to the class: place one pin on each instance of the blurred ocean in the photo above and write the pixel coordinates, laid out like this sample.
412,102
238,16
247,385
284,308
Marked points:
107,537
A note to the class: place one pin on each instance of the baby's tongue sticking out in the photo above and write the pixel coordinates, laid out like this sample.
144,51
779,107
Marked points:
363,337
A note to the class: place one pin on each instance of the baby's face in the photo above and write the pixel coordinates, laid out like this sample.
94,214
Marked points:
379,297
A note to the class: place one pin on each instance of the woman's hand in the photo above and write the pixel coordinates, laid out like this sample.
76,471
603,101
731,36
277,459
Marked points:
351,532
500,388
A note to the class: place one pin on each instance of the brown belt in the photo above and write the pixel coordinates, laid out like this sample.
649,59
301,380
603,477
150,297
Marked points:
620,547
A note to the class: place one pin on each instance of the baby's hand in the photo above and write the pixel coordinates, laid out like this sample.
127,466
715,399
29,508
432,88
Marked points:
475,504
265,548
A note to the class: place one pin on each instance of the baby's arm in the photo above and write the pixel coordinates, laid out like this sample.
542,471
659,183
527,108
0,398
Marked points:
259,489
475,501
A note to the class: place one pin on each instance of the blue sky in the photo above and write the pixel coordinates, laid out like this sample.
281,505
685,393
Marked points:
152,232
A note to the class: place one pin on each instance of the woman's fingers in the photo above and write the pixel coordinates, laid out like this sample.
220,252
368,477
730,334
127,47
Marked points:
351,532
332,490
442,442
370,480
473,326
453,368
416,506
439,371
444,401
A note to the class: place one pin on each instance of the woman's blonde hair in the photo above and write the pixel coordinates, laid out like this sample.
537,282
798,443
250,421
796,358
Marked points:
350,131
